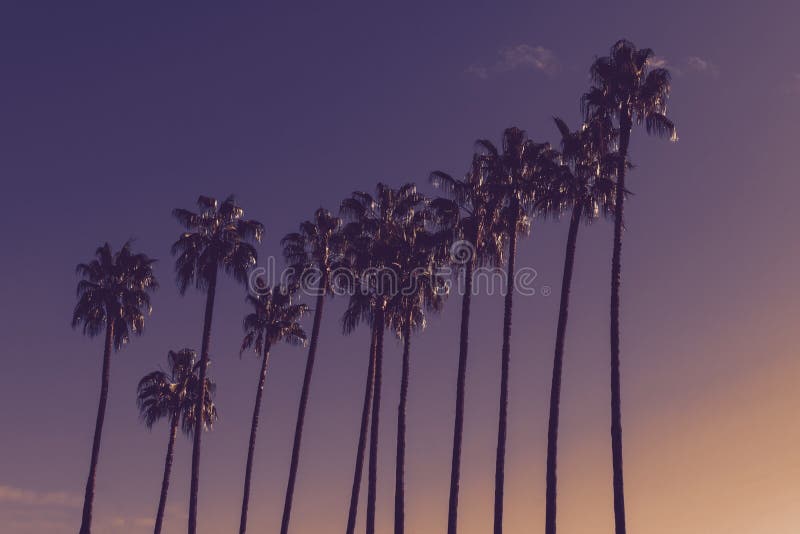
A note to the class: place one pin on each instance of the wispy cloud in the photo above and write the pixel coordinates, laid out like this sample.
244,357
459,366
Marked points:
522,56
12,495
689,65
658,62
705,66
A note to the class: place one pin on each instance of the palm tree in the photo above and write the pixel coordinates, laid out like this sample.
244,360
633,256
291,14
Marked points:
360,308
472,216
378,224
274,319
517,174
312,253
421,288
173,395
113,296
624,89
364,428
216,238
582,183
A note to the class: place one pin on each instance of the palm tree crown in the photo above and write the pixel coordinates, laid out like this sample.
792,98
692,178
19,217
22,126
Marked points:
216,237
114,292
472,212
584,175
274,319
315,249
173,394
626,88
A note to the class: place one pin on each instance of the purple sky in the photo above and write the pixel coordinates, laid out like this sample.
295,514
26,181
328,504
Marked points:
112,115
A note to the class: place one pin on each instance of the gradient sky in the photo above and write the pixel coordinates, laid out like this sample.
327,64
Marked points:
112,114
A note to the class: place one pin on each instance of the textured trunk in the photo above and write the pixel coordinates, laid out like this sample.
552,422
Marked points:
362,437
251,448
458,430
372,486
162,501
400,461
616,264
88,499
555,385
301,413
198,423
502,428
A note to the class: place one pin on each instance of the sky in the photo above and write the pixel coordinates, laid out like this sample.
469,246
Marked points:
112,114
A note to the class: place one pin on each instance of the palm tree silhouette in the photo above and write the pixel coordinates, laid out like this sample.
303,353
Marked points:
582,184
216,238
421,287
624,89
274,319
517,173
113,296
311,253
174,395
360,308
472,217
372,237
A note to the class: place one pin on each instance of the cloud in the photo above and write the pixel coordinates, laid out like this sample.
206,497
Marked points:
658,62
689,65
12,495
478,70
701,65
536,57
522,56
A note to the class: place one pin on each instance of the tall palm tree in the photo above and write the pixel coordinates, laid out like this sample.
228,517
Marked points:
217,237
173,395
626,90
364,428
582,184
312,253
274,319
377,225
472,216
421,288
517,173
113,296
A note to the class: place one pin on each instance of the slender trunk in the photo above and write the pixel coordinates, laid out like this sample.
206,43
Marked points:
616,264
362,436
372,486
251,448
162,501
400,462
455,469
555,385
198,423
301,413
88,499
502,428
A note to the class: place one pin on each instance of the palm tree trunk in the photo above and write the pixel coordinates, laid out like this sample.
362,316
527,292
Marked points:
362,436
372,486
251,448
616,268
458,431
502,428
198,423
162,501
88,499
400,462
558,360
301,413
